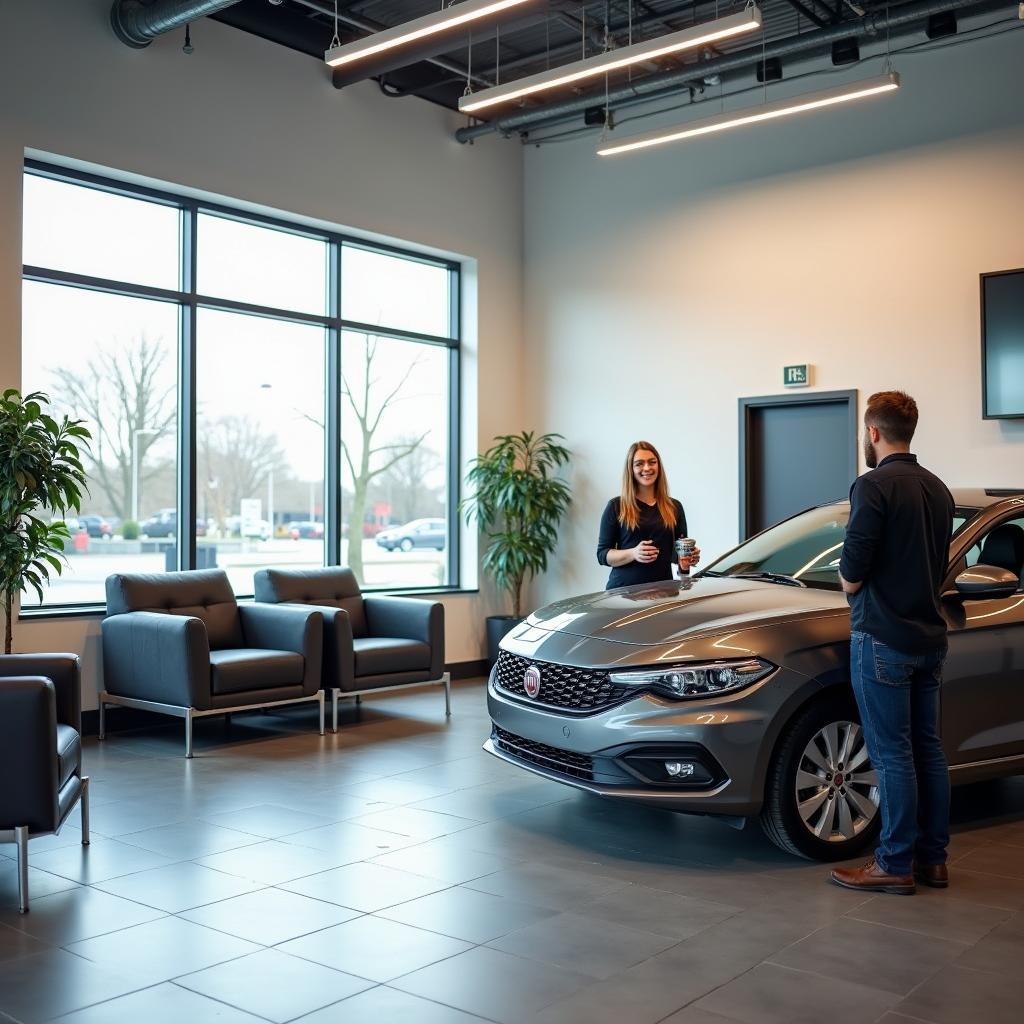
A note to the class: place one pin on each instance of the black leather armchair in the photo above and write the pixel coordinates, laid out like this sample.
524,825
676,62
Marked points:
180,644
40,751
370,643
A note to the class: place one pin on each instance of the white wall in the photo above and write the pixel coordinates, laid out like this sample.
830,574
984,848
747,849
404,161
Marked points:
661,286
246,119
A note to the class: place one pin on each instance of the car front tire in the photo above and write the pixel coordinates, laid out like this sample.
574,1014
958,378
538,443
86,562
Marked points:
821,798
406,544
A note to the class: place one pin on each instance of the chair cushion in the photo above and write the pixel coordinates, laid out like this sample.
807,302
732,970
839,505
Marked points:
69,753
246,668
376,656
206,594
332,587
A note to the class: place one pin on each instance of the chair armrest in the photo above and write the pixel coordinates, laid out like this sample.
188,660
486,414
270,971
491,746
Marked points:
158,657
409,618
63,670
287,627
28,753
339,651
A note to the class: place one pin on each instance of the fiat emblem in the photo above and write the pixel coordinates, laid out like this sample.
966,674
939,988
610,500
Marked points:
531,681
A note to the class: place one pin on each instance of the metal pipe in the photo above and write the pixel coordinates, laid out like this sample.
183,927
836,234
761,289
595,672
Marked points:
668,82
137,24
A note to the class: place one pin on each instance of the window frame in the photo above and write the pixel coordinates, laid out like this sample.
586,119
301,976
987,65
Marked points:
189,300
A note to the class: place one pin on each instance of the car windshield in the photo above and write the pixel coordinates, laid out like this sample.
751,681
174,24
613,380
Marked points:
805,548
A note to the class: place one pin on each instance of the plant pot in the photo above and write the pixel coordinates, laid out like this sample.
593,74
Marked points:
497,627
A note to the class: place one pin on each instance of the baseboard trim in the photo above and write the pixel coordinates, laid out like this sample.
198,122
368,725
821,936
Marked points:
121,719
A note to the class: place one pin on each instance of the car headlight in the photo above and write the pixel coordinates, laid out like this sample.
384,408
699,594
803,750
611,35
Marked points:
681,682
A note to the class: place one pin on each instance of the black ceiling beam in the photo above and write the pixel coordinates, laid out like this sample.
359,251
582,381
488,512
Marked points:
810,15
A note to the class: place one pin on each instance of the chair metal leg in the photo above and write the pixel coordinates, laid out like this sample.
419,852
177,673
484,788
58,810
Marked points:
334,709
321,694
447,695
84,809
188,732
359,700
21,839
103,719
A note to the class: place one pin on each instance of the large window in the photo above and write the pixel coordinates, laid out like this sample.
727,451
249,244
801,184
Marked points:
259,393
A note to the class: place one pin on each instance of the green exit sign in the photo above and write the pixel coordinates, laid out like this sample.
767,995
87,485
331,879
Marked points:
798,376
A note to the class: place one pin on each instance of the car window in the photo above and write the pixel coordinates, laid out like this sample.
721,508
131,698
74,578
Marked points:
1000,556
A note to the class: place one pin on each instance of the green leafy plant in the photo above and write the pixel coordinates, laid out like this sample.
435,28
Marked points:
40,472
518,502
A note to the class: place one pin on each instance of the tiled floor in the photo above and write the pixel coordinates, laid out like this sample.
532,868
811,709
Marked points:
395,872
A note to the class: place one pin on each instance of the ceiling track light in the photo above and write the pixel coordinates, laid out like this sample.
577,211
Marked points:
747,20
751,115
430,24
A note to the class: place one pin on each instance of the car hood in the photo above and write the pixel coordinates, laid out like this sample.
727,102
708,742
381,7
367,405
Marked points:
659,613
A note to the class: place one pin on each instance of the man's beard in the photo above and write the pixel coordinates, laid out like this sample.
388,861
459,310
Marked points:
869,454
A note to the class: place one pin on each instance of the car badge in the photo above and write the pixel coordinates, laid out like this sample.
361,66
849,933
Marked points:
531,682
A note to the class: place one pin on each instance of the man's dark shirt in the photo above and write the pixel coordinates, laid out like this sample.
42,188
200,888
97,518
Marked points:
897,544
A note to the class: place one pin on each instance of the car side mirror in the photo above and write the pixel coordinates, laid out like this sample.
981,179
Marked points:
986,582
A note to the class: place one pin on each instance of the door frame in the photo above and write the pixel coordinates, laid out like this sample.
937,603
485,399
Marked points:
747,408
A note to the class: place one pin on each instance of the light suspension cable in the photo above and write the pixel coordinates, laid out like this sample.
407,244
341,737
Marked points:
751,115
747,20
430,24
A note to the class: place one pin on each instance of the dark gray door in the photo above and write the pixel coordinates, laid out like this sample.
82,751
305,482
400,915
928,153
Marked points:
795,451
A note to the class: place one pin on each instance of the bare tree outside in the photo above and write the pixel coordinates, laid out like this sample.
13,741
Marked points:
124,397
404,486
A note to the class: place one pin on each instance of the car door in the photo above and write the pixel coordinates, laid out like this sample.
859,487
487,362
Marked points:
983,679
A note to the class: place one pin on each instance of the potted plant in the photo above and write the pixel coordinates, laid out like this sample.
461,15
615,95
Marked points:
40,472
518,501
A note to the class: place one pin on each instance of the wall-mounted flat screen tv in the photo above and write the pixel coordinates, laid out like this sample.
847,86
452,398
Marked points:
1002,344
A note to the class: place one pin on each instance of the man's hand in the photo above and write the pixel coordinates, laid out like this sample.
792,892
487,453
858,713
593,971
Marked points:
848,587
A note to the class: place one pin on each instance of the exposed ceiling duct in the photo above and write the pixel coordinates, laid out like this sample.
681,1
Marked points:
138,24
667,83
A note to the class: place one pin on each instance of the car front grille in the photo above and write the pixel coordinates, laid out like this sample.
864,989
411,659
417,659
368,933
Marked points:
577,690
579,766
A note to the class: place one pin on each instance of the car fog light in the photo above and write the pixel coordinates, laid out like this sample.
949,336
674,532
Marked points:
679,769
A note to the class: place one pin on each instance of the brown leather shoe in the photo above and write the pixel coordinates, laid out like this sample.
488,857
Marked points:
871,878
936,876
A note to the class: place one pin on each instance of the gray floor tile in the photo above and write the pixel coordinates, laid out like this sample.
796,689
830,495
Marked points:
178,887
410,821
653,910
365,887
989,890
695,1015
885,958
348,842
397,791
166,1003
999,952
547,885
271,862
465,914
100,860
274,985
995,859
779,995
15,943
79,913
383,1005
373,948
38,988
958,995
491,800
161,950
269,821
933,912
581,944
444,860
40,883
492,984
187,840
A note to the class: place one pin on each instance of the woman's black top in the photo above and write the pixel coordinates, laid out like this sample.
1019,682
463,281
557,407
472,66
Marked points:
650,527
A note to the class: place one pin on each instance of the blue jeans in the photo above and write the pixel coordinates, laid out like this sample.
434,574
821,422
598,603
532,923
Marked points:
898,698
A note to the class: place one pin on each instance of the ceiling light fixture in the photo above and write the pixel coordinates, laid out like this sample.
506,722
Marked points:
430,24
747,20
751,115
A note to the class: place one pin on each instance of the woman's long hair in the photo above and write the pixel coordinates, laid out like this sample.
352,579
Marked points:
629,506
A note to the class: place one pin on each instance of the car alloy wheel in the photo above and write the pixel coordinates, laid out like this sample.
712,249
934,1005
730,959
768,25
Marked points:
406,544
836,787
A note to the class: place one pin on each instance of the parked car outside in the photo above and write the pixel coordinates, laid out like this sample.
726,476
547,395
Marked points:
420,533
729,694
96,526
163,524
306,530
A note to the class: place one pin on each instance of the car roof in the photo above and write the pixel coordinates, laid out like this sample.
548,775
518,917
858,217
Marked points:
974,497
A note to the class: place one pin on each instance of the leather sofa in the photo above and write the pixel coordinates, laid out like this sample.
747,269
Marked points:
371,643
180,644
40,751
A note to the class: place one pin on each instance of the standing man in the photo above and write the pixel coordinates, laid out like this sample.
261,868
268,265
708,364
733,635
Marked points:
892,568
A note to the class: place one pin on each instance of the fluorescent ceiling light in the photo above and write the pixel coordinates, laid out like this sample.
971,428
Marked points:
428,25
750,115
747,20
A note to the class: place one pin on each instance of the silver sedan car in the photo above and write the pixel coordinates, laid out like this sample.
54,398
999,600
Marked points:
728,694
